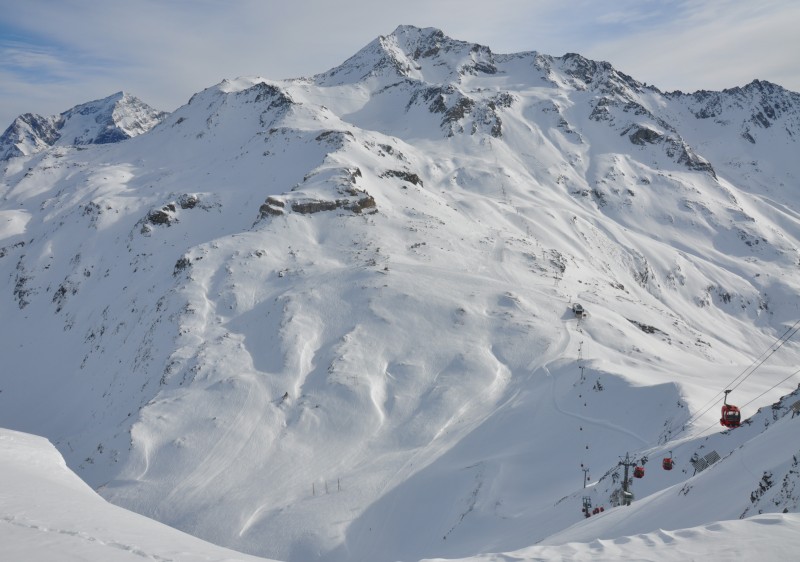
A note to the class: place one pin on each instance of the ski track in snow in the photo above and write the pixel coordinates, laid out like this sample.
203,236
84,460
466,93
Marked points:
219,456
595,421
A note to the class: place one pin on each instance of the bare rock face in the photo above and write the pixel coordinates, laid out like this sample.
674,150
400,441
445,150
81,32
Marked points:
355,205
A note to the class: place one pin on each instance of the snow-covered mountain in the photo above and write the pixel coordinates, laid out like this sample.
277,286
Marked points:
331,318
112,119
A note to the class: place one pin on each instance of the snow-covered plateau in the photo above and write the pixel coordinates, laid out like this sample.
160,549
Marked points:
333,318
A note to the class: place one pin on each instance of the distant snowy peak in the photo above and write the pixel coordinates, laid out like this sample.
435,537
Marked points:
759,105
28,134
598,76
464,86
252,89
421,54
112,119
261,102
430,48
428,55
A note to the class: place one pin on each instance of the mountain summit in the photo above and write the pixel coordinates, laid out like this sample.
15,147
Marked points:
112,119
333,318
426,55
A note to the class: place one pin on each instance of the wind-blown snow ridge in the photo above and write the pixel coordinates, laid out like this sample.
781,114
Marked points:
310,319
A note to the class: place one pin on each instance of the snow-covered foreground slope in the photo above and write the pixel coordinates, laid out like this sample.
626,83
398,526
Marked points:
771,537
47,513
330,318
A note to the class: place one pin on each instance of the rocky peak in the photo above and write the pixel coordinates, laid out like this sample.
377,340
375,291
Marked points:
599,76
421,54
773,99
761,87
117,117
418,42
756,106
28,134
430,47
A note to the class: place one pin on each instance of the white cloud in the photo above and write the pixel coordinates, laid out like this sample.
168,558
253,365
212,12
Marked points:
27,59
713,45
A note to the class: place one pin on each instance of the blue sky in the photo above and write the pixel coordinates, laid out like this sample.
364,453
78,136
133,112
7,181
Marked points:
55,54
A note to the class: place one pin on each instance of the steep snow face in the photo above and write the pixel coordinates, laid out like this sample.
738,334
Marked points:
112,119
315,319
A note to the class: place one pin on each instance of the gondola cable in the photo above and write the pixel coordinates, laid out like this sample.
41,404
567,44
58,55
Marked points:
786,339
744,375
756,398
772,388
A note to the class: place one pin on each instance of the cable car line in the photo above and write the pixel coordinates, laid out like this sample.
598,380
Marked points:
756,398
730,416
787,338
772,387
744,375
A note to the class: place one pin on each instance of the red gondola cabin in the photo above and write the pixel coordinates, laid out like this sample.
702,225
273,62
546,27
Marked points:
731,416
667,463
638,472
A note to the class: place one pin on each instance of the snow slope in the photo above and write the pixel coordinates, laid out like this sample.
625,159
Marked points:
330,318
764,537
48,514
